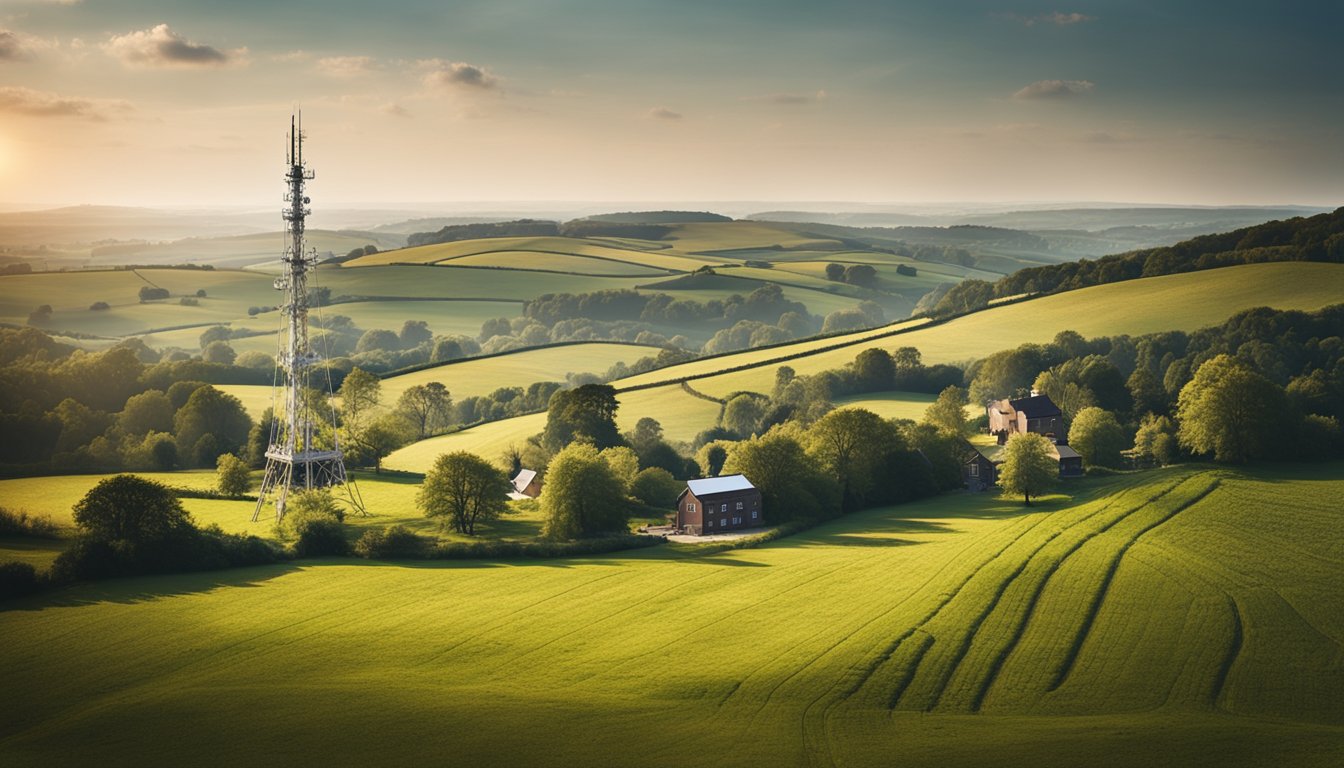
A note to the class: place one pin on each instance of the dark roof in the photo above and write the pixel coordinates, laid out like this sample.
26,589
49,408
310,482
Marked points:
1036,406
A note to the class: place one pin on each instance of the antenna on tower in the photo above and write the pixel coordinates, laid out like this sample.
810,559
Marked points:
304,450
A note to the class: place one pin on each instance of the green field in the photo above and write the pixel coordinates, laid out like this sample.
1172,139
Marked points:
1177,617
486,440
481,376
1174,302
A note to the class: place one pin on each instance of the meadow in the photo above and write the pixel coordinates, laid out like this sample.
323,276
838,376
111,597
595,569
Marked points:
1172,617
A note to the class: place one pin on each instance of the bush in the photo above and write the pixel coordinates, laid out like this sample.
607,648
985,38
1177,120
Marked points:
655,487
395,542
99,306
322,538
21,523
149,293
305,508
188,301
17,579
233,475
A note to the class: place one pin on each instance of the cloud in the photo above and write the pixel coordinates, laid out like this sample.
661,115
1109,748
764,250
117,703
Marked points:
457,74
663,113
798,99
395,110
26,101
162,47
345,66
1055,89
16,46
1058,18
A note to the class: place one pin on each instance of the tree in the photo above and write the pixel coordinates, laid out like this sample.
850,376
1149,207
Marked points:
1029,466
426,407
462,489
655,487
711,456
791,484
647,432
414,333
213,414
219,352
861,274
385,434
131,509
1156,440
587,412
850,444
360,393
378,339
948,412
624,464
582,496
874,370
1097,437
742,414
835,272
232,475
1230,411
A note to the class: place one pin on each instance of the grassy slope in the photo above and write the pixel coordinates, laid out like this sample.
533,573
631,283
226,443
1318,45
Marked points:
1174,302
1171,618
478,376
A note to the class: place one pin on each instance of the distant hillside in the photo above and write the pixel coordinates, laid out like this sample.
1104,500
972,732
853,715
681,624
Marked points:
657,217
456,232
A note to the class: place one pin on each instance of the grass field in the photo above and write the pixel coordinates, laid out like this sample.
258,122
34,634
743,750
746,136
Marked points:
486,440
891,405
1178,302
1177,617
555,262
481,376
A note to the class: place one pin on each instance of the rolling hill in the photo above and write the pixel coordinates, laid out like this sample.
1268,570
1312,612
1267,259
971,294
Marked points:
1170,618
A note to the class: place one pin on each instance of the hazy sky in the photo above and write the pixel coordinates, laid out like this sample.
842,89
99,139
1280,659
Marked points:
185,102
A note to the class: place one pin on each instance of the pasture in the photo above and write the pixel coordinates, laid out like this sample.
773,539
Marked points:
1174,617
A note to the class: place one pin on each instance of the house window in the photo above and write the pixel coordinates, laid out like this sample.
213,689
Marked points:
753,514
711,523
975,470
723,521
723,507
739,505
690,506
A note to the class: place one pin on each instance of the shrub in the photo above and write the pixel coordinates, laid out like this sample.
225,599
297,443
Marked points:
20,523
392,542
655,487
188,301
322,538
150,293
233,475
17,579
99,306
305,508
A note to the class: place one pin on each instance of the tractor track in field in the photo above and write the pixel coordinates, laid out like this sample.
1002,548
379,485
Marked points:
1099,597
894,699
1218,691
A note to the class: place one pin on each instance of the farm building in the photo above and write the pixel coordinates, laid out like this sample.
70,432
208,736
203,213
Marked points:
1037,413
527,483
717,504
980,465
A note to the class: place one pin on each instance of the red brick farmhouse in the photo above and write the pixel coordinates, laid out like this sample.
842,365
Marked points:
718,504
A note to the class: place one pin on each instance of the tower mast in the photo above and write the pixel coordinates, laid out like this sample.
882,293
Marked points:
304,450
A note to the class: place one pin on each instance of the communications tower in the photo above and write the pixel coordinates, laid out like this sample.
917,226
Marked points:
304,450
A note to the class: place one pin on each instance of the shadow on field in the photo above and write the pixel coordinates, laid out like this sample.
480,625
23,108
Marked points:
142,589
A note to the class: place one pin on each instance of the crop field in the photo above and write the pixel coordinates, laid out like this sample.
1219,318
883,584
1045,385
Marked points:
891,405
632,251
486,440
237,251
555,262
682,415
1179,302
1175,617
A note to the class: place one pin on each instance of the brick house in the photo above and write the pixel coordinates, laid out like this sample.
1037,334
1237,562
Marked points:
1037,413
718,504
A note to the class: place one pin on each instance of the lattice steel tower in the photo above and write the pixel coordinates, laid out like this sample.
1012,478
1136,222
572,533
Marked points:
304,450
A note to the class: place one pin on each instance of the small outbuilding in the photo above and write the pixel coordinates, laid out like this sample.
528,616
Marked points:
980,467
718,505
527,483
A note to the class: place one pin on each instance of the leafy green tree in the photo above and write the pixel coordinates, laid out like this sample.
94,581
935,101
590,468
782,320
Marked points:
850,445
360,393
215,414
149,411
233,476
587,413
1156,440
219,352
874,370
582,496
414,333
655,487
835,272
307,508
131,509
80,424
462,489
1147,392
1029,466
1231,411
624,463
376,340
711,456
427,407
1098,437
385,434
792,485
948,412
742,414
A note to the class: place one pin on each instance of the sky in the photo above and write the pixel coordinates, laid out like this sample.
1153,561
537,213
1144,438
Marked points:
186,102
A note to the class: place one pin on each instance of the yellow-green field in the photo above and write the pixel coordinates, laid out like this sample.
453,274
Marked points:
489,441
891,405
1173,302
1179,617
481,376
